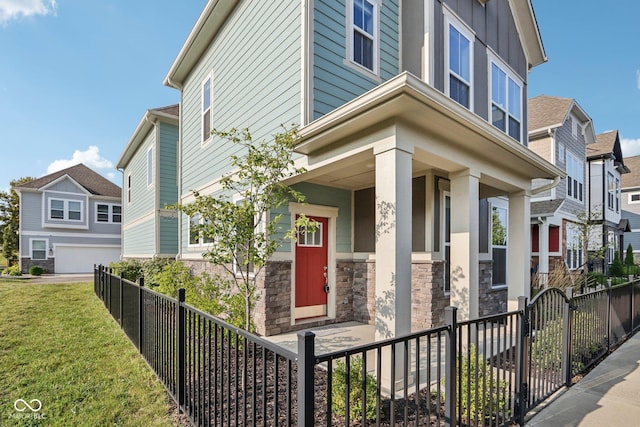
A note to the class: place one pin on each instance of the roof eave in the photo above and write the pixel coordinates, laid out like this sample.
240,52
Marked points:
211,19
527,26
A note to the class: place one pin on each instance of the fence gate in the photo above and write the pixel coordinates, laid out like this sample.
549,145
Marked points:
547,335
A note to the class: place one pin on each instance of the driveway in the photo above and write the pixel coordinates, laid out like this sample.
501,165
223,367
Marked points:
60,278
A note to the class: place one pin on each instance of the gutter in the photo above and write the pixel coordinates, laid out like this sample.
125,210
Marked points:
552,184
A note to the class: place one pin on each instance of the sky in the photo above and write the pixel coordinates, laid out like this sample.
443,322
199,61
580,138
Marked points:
77,76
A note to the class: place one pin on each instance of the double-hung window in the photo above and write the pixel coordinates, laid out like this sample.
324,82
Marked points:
459,68
207,95
575,177
363,31
108,213
38,249
506,101
129,188
196,232
499,238
65,210
611,191
574,248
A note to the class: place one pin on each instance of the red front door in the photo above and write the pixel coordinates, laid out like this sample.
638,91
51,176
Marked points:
311,271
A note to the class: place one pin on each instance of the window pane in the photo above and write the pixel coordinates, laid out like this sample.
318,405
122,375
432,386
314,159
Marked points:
464,59
117,218
206,95
39,255
515,107
459,54
459,91
358,13
103,208
39,245
514,128
499,276
498,117
57,214
57,204
499,226
498,87
447,219
194,236
103,217
368,17
362,50
206,125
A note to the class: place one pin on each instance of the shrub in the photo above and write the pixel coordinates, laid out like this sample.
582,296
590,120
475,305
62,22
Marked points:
616,268
36,270
130,269
628,258
14,270
339,391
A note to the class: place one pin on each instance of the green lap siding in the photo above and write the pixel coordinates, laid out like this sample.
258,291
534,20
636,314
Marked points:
168,178
139,240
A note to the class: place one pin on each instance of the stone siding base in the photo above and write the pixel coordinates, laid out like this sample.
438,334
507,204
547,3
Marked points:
491,300
49,265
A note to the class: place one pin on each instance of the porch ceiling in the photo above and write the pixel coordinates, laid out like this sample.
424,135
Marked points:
443,136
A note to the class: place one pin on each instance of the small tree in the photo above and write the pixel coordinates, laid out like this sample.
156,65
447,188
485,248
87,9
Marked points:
244,234
628,259
616,268
10,219
588,225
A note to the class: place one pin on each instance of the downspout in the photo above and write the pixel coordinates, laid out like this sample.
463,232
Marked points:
122,204
179,86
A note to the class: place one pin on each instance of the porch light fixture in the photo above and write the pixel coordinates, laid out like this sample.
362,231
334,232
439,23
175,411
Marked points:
50,250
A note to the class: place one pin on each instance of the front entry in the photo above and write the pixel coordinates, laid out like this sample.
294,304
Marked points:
311,270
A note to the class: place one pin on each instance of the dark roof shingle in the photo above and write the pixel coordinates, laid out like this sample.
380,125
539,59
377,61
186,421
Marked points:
93,182
547,111
631,179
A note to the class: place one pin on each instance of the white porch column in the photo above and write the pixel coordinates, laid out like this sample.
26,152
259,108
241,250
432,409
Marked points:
465,243
519,248
393,242
543,251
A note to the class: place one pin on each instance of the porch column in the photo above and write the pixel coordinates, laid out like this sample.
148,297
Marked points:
465,236
393,242
543,251
519,248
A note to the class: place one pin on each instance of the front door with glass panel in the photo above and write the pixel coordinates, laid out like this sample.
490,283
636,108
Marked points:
311,273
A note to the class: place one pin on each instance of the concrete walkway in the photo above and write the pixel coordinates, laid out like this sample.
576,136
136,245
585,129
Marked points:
609,395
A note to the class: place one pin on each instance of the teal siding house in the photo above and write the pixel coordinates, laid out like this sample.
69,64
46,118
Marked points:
413,125
149,167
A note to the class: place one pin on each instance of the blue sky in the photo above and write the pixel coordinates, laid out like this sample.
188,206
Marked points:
76,76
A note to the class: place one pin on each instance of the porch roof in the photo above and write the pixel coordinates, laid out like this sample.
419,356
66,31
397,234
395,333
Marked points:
433,117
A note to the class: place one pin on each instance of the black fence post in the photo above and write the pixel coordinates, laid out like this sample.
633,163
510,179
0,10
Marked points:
566,338
450,369
140,313
108,293
306,380
121,278
181,331
608,315
522,389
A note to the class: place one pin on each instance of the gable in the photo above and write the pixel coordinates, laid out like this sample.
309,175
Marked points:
65,185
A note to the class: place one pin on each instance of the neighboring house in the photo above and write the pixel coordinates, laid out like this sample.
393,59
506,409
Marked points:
630,199
559,131
413,131
605,169
149,168
69,221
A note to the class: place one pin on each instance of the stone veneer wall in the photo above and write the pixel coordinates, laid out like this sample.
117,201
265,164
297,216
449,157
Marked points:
492,301
364,292
47,264
428,299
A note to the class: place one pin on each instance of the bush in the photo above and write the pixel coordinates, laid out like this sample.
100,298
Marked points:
628,258
14,270
616,269
36,270
130,269
339,391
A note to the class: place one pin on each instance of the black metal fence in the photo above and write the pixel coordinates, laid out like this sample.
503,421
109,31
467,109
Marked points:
483,372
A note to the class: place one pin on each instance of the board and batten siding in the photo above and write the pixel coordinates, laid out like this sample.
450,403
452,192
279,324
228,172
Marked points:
142,196
139,239
574,145
494,27
334,81
255,61
168,161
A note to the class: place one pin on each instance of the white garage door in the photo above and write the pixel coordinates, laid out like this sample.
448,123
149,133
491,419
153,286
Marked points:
80,259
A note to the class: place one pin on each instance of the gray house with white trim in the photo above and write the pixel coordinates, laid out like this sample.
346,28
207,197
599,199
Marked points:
69,221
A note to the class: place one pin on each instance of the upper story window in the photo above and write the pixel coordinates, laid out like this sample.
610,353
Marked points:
363,33
611,191
129,188
575,177
150,166
108,213
617,195
459,62
561,155
65,210
634,198
506,100
207,95
196,238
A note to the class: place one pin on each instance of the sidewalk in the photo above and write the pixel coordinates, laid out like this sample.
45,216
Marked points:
609,395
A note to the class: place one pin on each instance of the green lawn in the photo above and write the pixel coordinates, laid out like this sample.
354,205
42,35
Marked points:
59,345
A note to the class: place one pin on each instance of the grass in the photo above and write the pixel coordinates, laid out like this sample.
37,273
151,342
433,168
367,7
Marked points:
59,345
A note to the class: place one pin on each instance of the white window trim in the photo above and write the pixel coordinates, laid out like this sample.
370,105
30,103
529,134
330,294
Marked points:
375,73
443,240
495,60
451,20
208,77
150,171
501,204
65,210
611,192
46,249
129,188
580,163
575,237
633,202
110,213
201,243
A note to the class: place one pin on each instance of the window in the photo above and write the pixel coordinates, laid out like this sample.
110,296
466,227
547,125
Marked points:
459,70
65,210
108,213
129,188
499,239
575,177
363,31
611,247
38,249
617,195
561,155
195,231
311,238
574,248
634,198
447,243
150,166
506,101
611,189
206,109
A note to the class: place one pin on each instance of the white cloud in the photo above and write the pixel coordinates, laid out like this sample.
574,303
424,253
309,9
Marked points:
15,9
91,158
630,147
